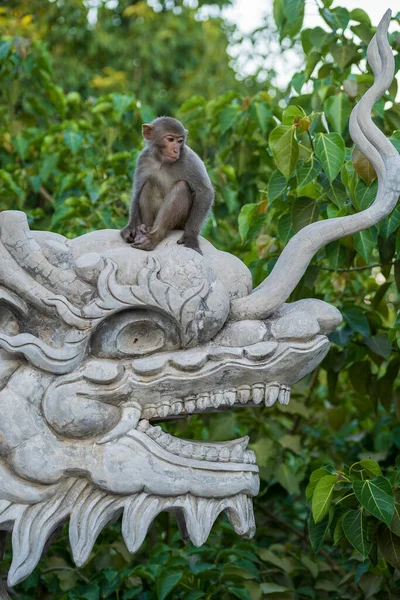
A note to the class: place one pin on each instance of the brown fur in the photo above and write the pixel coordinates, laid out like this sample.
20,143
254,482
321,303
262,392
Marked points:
171,189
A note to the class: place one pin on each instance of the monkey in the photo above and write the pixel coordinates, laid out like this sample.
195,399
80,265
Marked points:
171,189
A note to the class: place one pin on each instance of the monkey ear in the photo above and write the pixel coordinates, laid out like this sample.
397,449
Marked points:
147,131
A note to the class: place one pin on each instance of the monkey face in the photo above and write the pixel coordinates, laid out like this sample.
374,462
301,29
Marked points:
172,145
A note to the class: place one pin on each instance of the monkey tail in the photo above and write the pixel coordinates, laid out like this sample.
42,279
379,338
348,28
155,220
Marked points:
374,145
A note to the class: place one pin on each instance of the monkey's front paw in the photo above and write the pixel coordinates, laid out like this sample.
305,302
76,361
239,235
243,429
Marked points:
143,243
128,235
190,242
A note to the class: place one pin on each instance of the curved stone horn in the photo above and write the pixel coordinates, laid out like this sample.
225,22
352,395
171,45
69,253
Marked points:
295,258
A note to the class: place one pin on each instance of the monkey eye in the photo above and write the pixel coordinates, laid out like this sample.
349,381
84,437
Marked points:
170,139
180,142
134,333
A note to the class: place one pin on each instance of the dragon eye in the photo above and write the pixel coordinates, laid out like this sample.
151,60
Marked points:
134,333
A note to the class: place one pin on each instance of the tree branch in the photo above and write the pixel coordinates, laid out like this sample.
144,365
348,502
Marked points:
44,194
357,268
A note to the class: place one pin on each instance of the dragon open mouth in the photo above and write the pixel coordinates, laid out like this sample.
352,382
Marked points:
232,453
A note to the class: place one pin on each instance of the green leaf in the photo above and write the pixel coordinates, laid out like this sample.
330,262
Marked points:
376,495
357,320
390,224
288,480
304,212
11,184
227,118
355,529
338,531
395,524
338,18
344,54
359,15
122,103
89,592
320,37
166,582
21,144
285,149
273,588
331,151
285,230
389,545
380,345
364,32
4,49
317,532
292,114
73,140
293,10
365,195
336,254
194,595
47,166
365,243
338,109
240,593
298,81
264,113
371,467
322,497
276,185
307,172
245,217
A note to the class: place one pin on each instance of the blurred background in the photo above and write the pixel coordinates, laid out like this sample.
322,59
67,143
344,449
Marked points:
258,84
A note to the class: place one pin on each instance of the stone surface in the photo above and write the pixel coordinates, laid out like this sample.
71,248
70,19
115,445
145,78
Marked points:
100,341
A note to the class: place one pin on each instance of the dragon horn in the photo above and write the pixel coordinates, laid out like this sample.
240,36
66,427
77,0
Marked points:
373,144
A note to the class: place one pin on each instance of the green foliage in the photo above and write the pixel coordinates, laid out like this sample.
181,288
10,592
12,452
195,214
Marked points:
69,139
361,504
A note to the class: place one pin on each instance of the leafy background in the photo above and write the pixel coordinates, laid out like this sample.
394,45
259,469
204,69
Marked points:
74,92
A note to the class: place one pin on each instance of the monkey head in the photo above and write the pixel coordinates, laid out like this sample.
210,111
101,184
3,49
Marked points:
167,136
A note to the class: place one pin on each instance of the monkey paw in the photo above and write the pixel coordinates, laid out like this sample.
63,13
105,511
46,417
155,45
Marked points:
128,235
142,242
190,242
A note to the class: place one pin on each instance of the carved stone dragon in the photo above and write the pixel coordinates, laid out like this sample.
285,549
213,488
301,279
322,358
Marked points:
99,341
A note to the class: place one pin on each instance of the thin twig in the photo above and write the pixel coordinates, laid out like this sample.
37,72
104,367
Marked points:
357,268
79,574
46,195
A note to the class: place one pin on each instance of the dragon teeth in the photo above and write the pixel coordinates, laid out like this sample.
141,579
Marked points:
195,516
271,394
258,393
217,398
284,395
190,405
234,451
230,397
203,401
244,394
143,425
177,408
163,410
241,515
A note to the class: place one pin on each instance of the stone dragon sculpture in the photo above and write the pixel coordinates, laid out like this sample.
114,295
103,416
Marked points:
99,341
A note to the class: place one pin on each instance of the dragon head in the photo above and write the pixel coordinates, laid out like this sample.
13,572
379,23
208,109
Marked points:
99,342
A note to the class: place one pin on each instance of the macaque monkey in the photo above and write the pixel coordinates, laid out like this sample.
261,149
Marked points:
171,189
